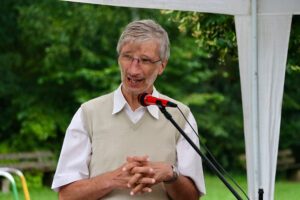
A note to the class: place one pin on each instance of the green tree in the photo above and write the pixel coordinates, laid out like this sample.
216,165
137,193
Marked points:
56,55
211,82
290,126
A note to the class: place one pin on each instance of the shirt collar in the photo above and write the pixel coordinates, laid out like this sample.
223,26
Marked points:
120,102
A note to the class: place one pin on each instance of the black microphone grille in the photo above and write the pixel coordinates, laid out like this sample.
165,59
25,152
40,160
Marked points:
141,99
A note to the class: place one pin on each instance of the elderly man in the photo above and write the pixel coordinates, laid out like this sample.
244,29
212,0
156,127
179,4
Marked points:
116,149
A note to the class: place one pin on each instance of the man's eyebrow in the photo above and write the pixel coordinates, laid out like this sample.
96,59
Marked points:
147,56
128,51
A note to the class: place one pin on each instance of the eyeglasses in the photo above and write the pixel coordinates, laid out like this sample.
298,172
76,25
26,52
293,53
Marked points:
144,61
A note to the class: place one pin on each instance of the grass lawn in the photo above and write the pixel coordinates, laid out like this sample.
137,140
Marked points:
35,192
216,190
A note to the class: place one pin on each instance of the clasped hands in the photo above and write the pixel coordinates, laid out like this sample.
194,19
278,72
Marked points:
141,174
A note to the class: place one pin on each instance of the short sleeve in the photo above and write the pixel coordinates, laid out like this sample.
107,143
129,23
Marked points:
75,154
188,161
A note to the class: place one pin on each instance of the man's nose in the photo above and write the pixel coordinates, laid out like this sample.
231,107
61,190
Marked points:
134,67
136,59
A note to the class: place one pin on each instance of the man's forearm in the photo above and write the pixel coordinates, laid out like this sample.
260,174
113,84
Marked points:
92,188
183,188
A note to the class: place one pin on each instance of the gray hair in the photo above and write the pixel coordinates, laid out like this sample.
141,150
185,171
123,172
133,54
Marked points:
145,30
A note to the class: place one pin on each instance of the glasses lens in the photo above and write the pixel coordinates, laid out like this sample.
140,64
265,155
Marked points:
142,61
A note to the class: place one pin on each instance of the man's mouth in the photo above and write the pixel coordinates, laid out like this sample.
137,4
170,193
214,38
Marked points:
133,80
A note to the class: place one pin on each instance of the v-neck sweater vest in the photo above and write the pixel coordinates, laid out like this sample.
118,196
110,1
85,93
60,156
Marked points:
115,136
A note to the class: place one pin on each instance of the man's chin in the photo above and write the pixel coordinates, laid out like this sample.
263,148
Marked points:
133,91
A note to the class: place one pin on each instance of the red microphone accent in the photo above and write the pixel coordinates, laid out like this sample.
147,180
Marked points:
146,99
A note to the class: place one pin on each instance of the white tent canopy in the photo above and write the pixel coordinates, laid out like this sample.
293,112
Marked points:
262,105
262,29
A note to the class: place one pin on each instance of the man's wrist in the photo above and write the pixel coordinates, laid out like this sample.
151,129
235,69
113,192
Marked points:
175,175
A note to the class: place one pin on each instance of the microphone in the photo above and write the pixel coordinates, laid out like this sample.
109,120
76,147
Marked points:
146,99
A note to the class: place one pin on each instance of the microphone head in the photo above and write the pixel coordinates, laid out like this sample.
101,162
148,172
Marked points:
141,99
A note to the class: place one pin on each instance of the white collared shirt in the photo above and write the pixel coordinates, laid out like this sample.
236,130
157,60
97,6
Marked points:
76,150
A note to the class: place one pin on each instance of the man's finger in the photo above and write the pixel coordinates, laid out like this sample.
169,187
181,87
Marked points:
140,188
143,170
129,166
134,180
129,159
146,189
140,158
147,180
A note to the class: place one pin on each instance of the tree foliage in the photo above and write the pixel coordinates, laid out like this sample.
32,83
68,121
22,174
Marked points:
57,56
290,125
211,85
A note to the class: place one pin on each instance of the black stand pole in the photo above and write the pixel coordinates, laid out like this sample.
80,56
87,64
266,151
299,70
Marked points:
260,194
210,164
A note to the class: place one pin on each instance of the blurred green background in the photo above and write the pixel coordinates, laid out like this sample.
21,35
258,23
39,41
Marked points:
56,55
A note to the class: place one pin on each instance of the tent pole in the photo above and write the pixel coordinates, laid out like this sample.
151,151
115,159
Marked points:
255,101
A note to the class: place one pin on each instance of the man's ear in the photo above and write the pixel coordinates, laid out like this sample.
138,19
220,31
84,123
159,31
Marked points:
119,61
162,67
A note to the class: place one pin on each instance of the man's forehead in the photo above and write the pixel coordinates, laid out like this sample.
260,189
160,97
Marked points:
149,45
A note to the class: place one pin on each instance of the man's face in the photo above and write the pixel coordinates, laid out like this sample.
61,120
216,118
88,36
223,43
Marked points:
139,74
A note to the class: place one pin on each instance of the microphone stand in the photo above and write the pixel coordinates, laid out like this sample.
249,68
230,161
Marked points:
210,164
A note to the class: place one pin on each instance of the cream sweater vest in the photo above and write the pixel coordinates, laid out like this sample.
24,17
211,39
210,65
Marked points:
113,137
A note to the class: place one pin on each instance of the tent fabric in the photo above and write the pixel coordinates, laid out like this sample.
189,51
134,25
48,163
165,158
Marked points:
233,7
273,37
278,7
243,33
